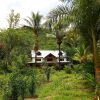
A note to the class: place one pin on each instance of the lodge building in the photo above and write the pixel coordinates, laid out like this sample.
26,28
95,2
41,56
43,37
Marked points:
49,57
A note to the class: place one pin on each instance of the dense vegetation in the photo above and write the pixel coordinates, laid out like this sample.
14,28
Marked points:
73,27
66,87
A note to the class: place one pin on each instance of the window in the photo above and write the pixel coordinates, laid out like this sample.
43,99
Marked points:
38,53
49,59
38,59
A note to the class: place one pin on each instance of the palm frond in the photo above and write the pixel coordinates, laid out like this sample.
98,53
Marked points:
28,22
58,12
34,20
28,27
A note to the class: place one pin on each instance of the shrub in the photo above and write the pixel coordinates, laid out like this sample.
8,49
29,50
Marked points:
47,71
68,69
91,80
97,90
17,84
32,82
89,67
78,68
5,87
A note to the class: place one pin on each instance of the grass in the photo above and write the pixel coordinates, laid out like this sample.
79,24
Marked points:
65,87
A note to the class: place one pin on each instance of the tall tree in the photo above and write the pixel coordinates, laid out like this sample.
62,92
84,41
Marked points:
87,15
8,39
59,37
87,18
34,24
13,19
15,46
59,15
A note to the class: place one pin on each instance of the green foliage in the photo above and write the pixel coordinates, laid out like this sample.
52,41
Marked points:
88,12
64,86
89,68
32,82
5,90
16,46
47,43
97,90
91,80
17,84
89,73
47,71
78,68
80,52
2,53
34,22
70,51
68,69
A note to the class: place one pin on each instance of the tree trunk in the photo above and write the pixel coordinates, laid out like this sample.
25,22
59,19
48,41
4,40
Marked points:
59,58
35,58
36,49
96,60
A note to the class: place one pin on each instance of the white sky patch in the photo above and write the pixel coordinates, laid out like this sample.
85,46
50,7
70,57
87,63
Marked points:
24,7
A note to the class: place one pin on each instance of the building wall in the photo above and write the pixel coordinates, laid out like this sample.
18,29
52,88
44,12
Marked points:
42,60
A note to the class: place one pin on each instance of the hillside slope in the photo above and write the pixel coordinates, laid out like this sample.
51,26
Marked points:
65,87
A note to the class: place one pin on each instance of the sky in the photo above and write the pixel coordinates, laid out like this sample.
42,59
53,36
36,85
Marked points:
25,7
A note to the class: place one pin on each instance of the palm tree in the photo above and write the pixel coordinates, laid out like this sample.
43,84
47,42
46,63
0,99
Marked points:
87,14
59,34
34,24
59,14
59,37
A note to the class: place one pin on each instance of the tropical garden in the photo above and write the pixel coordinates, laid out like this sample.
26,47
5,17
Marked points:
73,27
